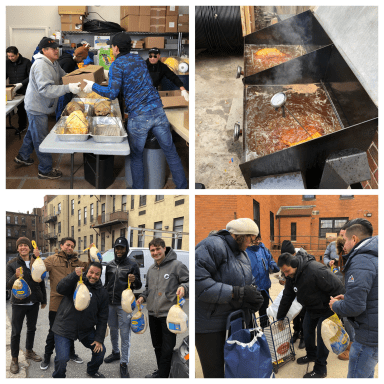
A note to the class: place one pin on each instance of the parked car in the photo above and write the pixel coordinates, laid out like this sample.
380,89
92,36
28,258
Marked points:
180,360
143,258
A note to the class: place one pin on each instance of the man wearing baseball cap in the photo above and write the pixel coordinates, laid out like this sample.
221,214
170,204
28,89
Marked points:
27,307
224,283
117,273
158,70
129,74
44,89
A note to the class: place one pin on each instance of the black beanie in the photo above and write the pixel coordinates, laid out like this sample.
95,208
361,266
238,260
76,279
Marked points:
287,246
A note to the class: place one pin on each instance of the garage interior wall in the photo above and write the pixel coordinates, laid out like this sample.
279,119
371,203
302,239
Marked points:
48,16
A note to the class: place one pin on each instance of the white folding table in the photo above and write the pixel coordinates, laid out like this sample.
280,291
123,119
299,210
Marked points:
10,107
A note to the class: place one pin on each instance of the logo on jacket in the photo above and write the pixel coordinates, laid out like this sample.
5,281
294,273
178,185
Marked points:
295,289
166,276
351,279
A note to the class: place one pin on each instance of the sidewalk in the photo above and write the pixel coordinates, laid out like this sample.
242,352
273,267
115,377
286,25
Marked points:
23,363
336,368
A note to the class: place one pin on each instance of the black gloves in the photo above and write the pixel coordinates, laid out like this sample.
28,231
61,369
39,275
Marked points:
248,294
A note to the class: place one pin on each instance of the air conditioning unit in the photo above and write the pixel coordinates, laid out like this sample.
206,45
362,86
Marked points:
315,212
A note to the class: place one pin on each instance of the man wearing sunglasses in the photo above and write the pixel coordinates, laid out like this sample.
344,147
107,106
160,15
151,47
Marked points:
158,70
129,75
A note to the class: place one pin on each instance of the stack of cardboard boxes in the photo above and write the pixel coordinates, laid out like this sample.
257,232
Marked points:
154,19
72,18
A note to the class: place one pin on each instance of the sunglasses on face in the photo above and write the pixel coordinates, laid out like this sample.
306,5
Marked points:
152,56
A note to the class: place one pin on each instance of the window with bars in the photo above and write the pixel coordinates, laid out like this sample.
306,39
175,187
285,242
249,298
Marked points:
331,225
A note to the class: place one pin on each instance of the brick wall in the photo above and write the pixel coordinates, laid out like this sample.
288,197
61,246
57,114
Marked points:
373,161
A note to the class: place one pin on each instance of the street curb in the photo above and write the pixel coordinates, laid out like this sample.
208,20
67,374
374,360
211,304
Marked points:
23,363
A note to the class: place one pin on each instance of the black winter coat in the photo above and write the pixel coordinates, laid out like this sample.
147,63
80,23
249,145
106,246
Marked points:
67,63
18,72
74,324
159,70
116,279
313,284
38,292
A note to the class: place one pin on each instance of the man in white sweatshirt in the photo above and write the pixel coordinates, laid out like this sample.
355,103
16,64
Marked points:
44,89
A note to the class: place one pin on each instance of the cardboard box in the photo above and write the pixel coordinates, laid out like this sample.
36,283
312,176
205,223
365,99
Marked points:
154,42
145,11
130,23
183,19
138,44
157,20
171,24
158,11
125,11
68,19
91,72
183,27
172,10
157,29
144,23
75,10
71,27
172,99
9,88
186,119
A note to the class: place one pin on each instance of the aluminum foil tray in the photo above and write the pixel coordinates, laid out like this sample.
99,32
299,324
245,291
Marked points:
114,105
69,137
100,123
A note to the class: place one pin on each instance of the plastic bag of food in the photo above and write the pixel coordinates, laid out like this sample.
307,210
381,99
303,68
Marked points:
20,288
334,336
177,319
81,297
38,271
94,254
139,321
128,302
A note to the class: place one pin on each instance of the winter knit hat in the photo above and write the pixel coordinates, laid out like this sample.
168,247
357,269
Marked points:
23,240
287,246
243,226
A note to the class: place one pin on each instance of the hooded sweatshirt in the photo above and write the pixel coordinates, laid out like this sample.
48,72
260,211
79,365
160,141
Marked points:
361,300
45,86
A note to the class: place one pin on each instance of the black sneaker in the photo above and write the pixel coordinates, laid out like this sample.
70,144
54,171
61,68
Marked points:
76,358
112,357
153,375
96,375
46,362
124,371
19,160
314,375
304,360
54,174
302,344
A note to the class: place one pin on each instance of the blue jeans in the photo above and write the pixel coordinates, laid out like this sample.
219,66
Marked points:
119,319
63,346
138,128
320,352
37,132
362,361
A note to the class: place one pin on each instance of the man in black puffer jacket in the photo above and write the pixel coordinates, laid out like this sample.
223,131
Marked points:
116,281
27,307
71,324
313,284
17,70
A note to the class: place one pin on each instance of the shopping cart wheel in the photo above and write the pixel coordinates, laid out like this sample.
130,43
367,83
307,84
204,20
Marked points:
275,369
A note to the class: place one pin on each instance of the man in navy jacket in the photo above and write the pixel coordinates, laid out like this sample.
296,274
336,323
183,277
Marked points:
360,301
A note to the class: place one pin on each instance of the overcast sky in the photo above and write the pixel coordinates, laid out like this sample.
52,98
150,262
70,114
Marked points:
25,202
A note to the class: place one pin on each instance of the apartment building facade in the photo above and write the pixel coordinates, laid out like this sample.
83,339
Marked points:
101,219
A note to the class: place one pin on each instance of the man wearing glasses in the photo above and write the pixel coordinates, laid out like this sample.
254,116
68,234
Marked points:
44,89
158,70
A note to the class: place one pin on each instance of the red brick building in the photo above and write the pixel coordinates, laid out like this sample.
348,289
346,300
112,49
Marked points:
303,219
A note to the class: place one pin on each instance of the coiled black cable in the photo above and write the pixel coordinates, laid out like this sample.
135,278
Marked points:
218,28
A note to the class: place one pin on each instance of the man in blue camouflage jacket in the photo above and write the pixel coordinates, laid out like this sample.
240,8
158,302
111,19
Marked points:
129,74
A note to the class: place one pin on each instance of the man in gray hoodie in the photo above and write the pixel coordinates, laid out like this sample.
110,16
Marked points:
44,89
167,278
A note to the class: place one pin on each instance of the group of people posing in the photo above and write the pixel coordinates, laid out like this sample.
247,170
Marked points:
129,76
166,279
232,272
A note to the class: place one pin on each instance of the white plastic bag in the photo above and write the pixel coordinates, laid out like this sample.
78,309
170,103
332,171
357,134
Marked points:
295,309
177,319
